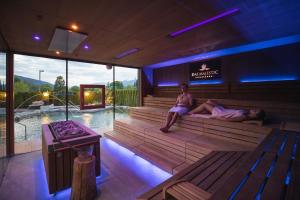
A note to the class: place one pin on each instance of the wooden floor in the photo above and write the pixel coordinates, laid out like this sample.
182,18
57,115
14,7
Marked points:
124,176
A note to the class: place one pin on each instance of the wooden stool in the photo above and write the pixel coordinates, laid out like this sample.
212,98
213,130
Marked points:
84,179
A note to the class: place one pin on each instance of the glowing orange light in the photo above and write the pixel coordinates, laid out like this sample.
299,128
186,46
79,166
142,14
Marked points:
46,94
74,27
57,52
86,94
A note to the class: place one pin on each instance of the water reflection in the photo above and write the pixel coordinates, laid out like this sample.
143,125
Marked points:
100,121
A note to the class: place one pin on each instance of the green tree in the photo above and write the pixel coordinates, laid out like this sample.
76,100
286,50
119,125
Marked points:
59,85
21,87
74,89
46,87
59,91
118,85
17,80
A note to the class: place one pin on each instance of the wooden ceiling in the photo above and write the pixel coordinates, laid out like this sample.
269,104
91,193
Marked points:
115,26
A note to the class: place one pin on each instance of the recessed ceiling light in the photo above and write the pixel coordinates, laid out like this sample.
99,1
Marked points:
36,37
57,52
74,27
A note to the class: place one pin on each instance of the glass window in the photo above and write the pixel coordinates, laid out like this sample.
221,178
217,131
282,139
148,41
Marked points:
126,90
3,135
39,98
91,75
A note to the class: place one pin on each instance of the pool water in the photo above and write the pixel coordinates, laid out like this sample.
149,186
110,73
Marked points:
100,121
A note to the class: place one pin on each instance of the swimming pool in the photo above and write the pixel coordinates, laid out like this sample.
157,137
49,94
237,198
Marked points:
100,121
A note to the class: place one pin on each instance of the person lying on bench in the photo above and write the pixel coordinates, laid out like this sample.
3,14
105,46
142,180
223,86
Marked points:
183,103
219,112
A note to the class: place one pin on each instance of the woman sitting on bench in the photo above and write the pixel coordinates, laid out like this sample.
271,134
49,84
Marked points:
219,112
183,103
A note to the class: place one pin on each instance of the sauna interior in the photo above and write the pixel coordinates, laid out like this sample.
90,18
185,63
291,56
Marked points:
149,99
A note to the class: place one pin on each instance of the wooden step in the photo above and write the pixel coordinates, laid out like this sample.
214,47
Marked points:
235,132
159,157
127,142
136,124
185,190
181,167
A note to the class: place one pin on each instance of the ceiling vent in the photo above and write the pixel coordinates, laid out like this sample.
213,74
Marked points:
66,41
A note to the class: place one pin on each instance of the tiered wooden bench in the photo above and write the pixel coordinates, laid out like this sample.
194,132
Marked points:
209,173
191,139
276,111
270,172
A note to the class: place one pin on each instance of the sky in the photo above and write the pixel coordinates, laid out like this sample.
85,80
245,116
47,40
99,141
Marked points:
79,73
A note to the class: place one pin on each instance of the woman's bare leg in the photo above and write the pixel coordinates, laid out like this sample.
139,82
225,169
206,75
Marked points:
211,102
202,108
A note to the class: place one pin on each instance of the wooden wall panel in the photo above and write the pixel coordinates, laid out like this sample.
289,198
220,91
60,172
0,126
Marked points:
269,63
266,91
199,91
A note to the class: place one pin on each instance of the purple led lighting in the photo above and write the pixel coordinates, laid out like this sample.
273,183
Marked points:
86,46
167,84
36,37
224,14
126,53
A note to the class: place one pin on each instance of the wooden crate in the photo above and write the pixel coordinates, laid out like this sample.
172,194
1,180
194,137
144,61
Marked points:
58,158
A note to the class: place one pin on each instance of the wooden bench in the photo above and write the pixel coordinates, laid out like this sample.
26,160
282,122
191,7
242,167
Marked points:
276,111
179,148
209,174
184,190
191,139
272,171
235,132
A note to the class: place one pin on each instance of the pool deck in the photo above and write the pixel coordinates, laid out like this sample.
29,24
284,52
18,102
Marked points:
124,176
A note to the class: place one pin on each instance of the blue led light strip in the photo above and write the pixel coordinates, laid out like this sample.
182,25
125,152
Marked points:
206,82
167,84
271,168
268,79
230,51
252,169
289,172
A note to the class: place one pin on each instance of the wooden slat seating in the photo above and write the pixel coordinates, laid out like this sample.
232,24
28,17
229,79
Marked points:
166,152
208,174
191,139
276,111
172,151
184,190
272,171
246,134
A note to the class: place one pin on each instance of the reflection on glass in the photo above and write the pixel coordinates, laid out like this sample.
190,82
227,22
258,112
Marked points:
92,96
97,117
126,89
39,89
3,160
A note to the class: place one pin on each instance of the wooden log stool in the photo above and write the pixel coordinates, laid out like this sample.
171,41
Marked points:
84,179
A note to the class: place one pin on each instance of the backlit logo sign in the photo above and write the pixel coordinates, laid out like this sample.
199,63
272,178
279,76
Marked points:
205,70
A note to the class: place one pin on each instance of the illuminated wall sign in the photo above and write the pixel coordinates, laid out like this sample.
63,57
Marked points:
207,70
